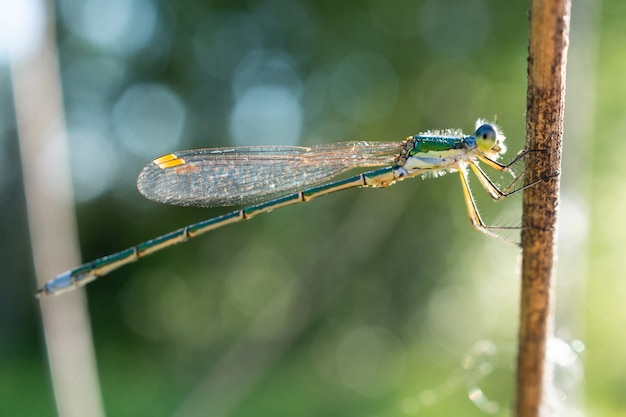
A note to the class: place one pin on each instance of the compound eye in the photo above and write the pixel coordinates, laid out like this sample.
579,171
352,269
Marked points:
486,137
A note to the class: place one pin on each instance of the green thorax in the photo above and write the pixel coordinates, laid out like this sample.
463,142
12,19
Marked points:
424,143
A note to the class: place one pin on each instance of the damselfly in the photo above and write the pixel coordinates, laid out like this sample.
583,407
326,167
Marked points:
243,175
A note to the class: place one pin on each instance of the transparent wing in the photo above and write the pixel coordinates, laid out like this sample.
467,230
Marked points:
231,176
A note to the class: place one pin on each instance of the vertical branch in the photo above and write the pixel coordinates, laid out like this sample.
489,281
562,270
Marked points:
47,186
549,37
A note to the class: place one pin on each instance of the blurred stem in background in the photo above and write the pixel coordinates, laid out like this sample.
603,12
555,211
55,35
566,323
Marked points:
52,225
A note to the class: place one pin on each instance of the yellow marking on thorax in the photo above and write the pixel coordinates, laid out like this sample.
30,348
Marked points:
434,159
169,161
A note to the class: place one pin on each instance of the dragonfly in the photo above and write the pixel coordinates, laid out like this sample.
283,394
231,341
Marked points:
213,177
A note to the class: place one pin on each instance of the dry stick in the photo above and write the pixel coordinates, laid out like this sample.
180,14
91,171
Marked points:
39,113
549,37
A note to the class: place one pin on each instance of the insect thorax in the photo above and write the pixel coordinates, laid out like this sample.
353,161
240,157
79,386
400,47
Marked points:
425,152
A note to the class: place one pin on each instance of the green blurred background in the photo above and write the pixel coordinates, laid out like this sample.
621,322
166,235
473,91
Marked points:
363,303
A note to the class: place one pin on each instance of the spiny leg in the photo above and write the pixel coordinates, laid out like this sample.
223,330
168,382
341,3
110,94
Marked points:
472,211
496,193
498,166
492,188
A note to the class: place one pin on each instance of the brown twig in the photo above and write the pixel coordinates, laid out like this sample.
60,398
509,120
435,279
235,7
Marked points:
549,37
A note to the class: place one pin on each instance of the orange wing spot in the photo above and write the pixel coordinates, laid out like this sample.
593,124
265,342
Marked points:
165,158
169,161
173,163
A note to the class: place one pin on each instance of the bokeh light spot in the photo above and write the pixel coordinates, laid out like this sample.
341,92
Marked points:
21,27
118,26
266,115
149,120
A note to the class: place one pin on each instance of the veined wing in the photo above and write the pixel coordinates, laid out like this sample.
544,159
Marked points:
240,175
